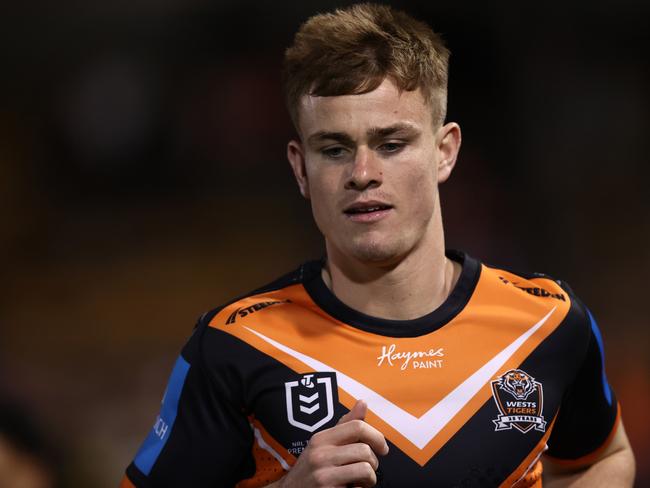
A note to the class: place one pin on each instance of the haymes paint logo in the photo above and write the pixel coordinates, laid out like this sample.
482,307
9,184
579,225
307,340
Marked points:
416,359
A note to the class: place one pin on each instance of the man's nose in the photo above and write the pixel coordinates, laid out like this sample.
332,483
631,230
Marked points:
366,170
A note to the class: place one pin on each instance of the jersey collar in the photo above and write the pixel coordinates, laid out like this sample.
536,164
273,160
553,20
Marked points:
455,302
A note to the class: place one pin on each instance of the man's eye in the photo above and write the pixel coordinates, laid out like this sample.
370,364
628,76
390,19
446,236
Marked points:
334,152
391,147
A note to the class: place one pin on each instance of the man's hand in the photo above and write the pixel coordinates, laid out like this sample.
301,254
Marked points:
344,455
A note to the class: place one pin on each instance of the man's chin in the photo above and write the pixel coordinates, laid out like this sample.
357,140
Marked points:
376,254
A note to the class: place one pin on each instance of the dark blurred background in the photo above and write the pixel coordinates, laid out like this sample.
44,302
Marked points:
143,181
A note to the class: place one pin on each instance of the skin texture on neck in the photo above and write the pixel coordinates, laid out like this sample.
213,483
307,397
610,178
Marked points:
405,289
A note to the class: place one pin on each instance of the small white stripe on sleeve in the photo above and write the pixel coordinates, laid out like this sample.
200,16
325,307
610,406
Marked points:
262,443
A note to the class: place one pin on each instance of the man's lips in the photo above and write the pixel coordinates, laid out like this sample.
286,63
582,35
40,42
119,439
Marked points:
367,211
366,207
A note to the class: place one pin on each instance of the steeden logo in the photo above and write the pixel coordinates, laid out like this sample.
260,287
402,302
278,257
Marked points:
428,359
243,312
535,290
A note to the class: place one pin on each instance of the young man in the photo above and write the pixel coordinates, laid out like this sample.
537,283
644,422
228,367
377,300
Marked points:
391,362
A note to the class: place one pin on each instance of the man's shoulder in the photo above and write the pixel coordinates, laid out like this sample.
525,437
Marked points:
284,290
536,289
224,337
533,283
561,320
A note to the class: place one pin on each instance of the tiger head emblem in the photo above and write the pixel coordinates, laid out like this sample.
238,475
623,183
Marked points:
518,383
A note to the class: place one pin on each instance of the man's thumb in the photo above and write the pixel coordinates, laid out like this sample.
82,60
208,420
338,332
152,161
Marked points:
358,412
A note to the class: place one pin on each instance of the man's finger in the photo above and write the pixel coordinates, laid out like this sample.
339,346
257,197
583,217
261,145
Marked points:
357,474
351,432
358,412
353,453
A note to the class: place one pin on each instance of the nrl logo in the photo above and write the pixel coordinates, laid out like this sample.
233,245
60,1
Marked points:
520,400
310,401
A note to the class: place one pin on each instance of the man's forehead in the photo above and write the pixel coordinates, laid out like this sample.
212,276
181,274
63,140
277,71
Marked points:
387,92
379,109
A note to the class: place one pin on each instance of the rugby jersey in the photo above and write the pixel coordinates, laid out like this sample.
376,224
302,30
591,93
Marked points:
510,366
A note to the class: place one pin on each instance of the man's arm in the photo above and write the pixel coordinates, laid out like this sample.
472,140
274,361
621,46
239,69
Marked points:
201,437
615,467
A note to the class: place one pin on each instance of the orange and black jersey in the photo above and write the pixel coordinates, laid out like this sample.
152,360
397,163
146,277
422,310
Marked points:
472,394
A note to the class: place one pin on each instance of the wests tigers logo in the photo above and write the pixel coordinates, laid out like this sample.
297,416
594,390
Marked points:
518,383
520,401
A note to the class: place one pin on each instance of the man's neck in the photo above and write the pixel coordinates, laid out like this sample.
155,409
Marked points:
415,286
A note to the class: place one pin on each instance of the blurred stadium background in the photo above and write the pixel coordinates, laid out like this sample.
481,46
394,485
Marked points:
143,181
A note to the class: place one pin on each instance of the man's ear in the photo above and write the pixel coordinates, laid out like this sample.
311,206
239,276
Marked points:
296,157
448,140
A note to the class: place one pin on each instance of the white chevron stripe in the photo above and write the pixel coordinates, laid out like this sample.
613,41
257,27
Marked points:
309,410
420,430
308,399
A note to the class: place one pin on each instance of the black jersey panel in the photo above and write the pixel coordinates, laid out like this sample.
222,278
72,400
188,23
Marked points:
263,386
589,409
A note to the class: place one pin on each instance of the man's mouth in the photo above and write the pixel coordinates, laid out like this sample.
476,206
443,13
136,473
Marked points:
363,208
367,211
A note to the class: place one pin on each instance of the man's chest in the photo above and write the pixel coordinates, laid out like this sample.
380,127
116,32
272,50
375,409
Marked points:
468,404
453,414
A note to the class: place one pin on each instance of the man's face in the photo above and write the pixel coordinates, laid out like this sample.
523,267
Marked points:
371,164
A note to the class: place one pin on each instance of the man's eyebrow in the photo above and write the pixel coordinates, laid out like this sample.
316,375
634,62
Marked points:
373,133
320,136
379,132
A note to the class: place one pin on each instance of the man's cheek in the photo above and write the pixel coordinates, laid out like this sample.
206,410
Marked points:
322,215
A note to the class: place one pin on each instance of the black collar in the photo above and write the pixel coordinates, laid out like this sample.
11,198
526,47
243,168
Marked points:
455,302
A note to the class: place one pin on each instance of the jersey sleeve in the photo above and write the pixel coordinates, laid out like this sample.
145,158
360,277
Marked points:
589,411
201,437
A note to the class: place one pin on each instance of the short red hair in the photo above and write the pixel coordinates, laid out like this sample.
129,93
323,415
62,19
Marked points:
351,51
